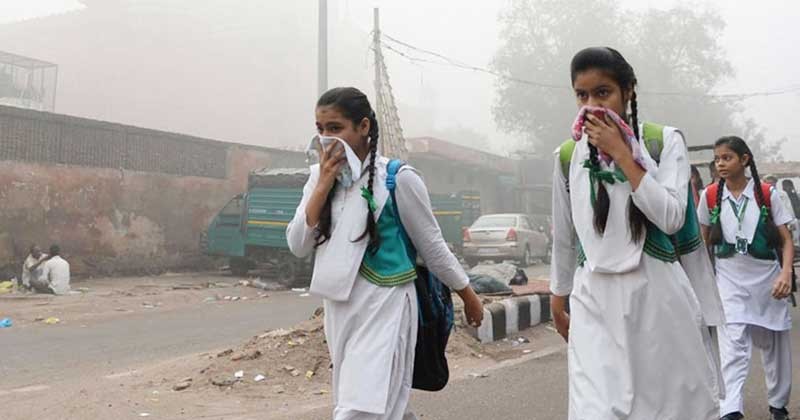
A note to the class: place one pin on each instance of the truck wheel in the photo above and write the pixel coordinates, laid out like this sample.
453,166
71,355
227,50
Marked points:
239,266
288,271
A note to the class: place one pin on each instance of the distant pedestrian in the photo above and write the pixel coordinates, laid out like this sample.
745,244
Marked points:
745,220
712,170
696,182
32,267
55,275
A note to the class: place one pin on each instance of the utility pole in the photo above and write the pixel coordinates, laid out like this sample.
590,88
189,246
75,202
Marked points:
392,141
322,54
376,49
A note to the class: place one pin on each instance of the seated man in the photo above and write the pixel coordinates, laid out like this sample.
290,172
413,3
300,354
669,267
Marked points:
32,267
55,275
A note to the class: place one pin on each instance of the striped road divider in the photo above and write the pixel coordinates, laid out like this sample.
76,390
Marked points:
512,315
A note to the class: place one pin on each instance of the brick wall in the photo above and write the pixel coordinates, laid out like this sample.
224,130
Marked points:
118,199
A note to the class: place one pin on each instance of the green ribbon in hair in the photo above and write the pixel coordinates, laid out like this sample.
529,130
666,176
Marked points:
373,207
715,215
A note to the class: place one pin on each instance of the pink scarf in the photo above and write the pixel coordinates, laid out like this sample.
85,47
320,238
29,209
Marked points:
580,121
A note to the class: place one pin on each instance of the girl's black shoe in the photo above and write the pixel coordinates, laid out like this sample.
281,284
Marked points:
779,413
733,416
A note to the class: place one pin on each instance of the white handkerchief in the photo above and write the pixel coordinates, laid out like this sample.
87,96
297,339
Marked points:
349,172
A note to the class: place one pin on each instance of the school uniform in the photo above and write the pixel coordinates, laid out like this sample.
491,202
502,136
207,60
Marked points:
638,340
753,316
369,299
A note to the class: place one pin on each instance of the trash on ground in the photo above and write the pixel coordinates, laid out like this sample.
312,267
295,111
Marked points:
250,355
483,284
51,321
239,374
503,272
280,332
259,378
260,284
6,323
305,295
180,386
478,375
519,279
299,290
223,382
6,287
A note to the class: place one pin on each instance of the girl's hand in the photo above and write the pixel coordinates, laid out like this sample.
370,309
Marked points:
558,306
561,321
331,160
473,308
606,136
783,285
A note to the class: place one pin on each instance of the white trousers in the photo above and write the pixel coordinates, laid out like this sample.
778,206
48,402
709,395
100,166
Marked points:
400,380
736,342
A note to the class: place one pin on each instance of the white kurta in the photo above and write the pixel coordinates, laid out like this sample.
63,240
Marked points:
371,330
754,317
636,348
745,282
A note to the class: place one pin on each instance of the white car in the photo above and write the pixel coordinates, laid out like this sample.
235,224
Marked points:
503,237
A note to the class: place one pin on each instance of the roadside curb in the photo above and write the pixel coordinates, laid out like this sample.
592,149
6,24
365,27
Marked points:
512,315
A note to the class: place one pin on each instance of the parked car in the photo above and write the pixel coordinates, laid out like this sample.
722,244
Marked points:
503,237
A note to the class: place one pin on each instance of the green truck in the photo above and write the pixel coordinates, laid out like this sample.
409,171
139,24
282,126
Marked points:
250,230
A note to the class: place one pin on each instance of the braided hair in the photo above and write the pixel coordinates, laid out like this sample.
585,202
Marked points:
354,105
614,65
738,146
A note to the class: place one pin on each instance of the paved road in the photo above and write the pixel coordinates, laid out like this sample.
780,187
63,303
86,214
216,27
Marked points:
536,389
40,354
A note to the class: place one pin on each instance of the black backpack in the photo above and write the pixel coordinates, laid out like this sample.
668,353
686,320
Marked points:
435,312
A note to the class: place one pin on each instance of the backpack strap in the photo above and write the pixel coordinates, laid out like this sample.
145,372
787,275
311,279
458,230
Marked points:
711,196
392,169
766,191
565,156
391,174
713,189
653,136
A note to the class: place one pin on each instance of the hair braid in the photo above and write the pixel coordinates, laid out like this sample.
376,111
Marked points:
715,235
372,228
634,114
602,203
773,236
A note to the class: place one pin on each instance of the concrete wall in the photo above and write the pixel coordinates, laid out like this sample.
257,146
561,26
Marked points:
118,199
122,199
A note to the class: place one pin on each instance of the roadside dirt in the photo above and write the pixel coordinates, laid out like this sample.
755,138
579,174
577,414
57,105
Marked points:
108,298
